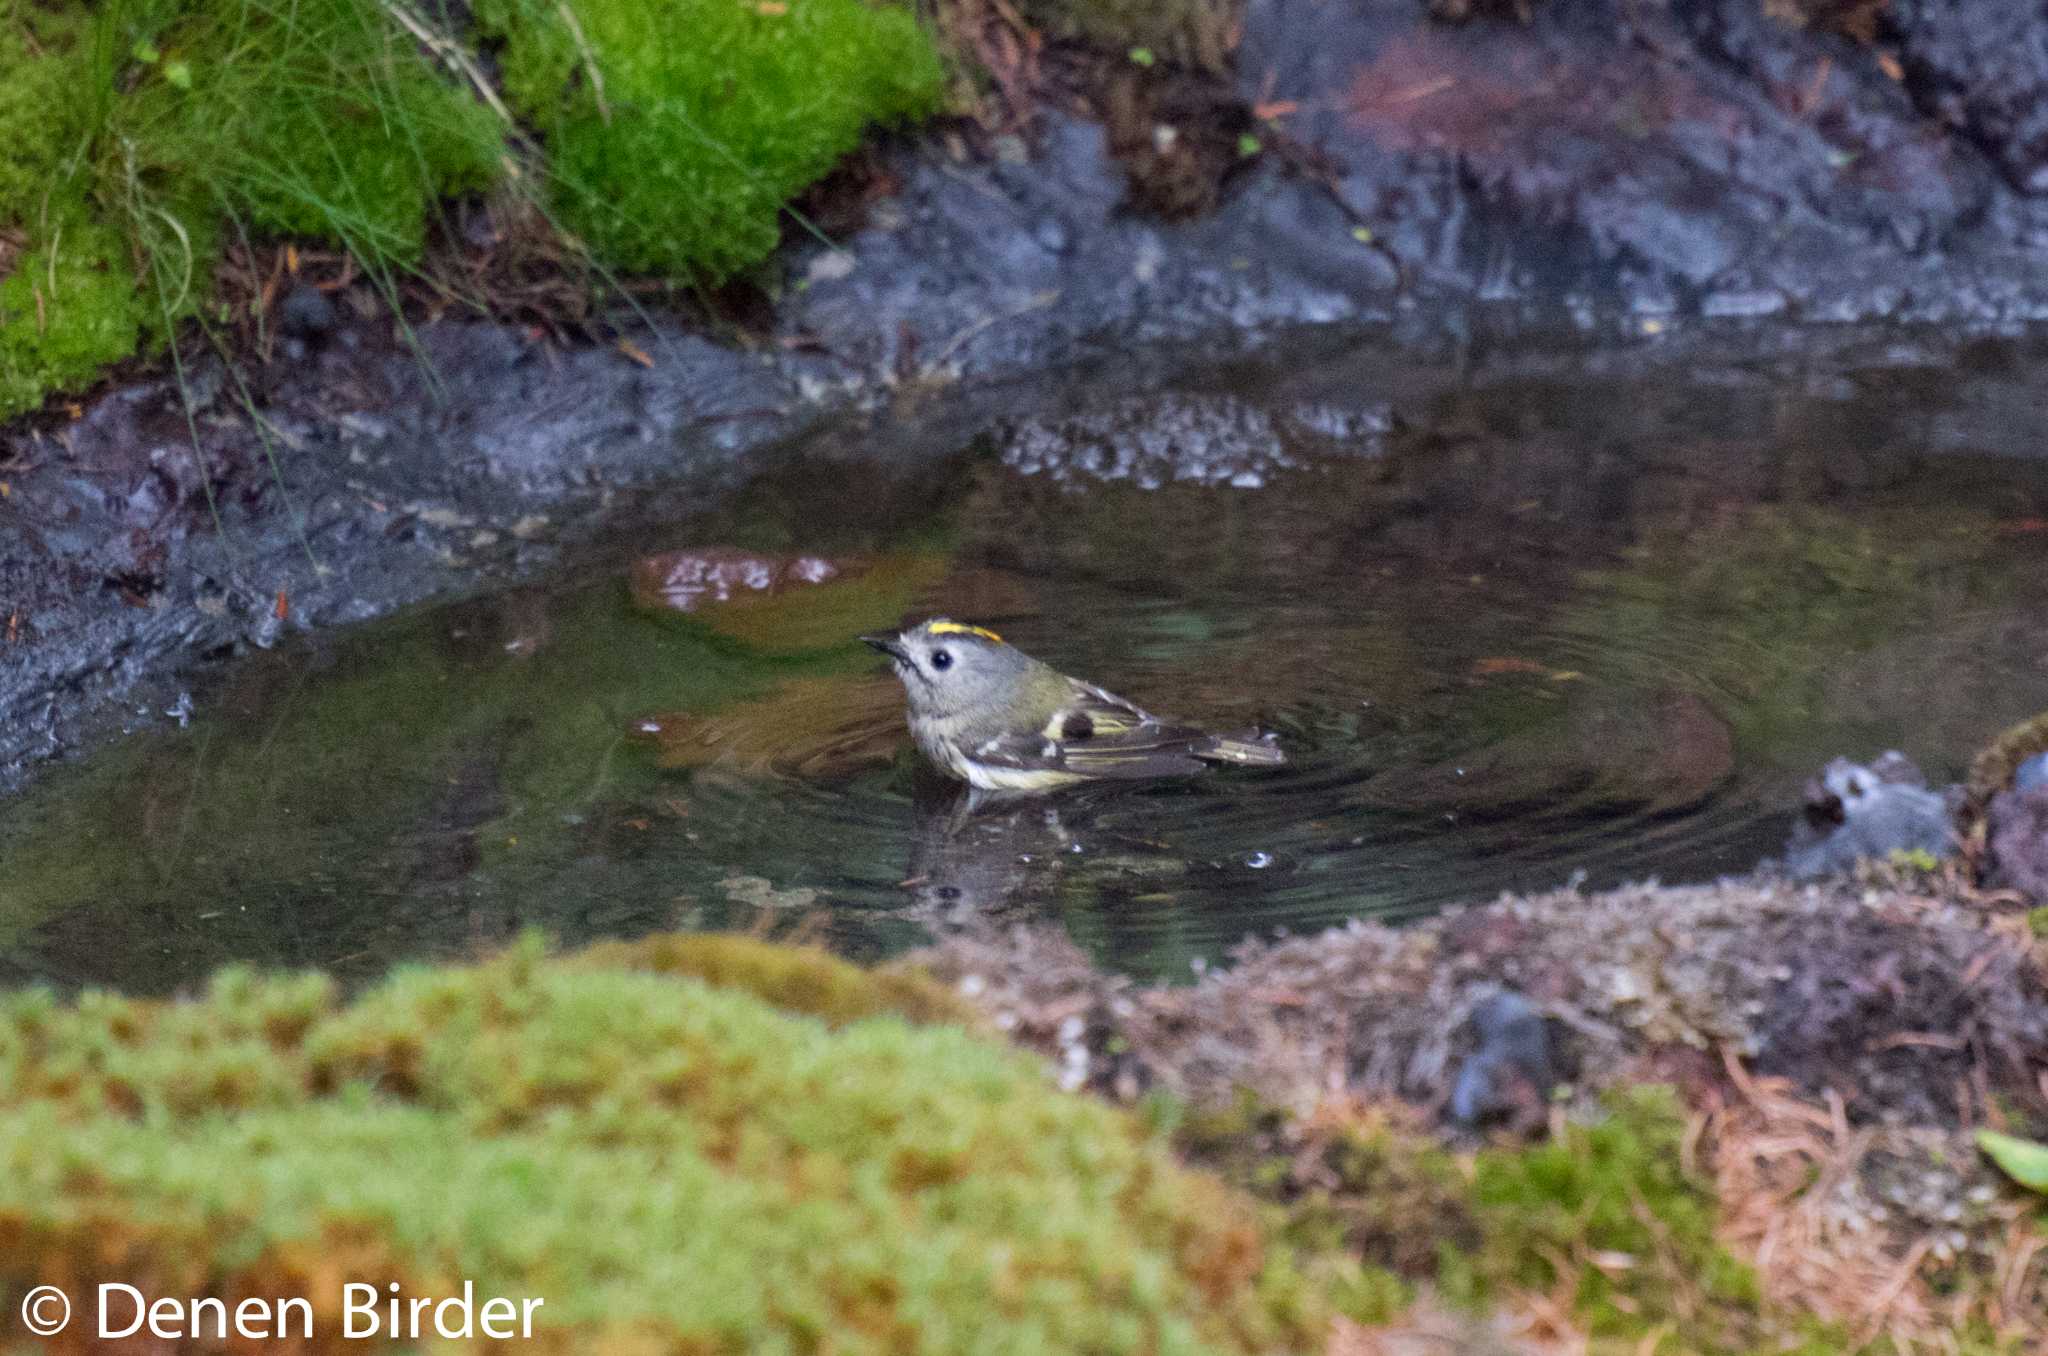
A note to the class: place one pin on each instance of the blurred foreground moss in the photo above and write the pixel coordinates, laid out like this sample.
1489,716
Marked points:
673,1166
797,979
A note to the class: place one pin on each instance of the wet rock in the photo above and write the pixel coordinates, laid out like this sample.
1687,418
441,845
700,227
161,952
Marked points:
2018,837
1150,443
1982,68
1510,1075
1710,155
2031,774
306,313
1855,813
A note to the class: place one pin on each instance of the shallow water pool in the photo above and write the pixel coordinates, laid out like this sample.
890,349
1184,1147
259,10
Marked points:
1512,632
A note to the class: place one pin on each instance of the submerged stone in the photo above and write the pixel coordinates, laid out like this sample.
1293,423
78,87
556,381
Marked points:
782,603
709,576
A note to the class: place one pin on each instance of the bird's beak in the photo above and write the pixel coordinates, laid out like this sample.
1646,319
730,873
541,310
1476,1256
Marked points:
888,645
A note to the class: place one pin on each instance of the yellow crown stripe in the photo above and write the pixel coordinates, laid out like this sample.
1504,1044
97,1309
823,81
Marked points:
953,628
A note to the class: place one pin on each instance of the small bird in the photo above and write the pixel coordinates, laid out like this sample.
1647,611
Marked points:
999,720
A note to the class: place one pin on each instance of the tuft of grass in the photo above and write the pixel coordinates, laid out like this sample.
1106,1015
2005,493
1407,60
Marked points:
135,135
676,132
671,1166
318,119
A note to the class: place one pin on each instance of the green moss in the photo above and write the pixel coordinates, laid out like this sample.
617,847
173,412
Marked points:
668,1163
1609,1213
673,136
1605,1216
136,135
39,118
311,118
677,131
69,308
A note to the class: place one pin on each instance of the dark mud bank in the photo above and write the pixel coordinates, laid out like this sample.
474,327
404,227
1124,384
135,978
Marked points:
1646,188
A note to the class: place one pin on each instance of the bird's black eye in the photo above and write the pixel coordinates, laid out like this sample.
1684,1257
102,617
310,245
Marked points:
942,659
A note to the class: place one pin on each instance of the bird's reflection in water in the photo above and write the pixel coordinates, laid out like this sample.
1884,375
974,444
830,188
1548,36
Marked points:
983,857
982,861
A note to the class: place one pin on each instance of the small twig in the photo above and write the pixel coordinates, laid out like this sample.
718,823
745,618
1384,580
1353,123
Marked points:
1037,302
451,54
589,59
1889,1294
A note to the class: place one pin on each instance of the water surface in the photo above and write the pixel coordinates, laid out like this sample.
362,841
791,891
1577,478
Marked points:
1511,633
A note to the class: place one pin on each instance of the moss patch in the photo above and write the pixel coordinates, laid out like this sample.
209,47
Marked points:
1606,1219
672,1166
70,308
139,137
677,131
39,115
1608,1215
314,118
136,137
68,300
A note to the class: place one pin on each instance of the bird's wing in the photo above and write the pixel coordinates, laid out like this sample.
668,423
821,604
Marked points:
1099,734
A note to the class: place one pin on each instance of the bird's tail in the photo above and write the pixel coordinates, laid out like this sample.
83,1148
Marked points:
1245,748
